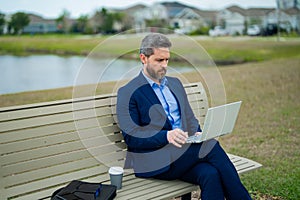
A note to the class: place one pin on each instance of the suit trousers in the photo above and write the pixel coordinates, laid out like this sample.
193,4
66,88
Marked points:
207,165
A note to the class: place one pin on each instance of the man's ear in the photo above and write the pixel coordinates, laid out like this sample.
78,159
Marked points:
143,58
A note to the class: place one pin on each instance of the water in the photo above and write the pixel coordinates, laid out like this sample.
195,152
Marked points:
28,73
39,72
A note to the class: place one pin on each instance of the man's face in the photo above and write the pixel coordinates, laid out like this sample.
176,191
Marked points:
155,66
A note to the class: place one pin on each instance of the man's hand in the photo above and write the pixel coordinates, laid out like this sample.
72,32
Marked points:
177,137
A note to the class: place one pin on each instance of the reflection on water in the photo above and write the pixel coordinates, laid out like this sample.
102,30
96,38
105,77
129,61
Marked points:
39,72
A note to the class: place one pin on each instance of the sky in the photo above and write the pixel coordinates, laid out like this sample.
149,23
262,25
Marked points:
53,8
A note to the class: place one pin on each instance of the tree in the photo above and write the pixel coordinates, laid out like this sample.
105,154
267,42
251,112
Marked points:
103,21
108,21
124,20
18,21
2,22
81,25
62,23
155,22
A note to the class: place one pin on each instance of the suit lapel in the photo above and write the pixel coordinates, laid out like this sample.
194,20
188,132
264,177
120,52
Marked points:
176,92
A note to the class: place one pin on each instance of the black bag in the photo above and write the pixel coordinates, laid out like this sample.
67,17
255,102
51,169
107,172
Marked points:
79,190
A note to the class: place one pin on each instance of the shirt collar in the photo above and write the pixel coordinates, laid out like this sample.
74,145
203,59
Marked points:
163,82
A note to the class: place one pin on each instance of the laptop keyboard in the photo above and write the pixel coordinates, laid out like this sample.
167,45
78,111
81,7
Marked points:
194,138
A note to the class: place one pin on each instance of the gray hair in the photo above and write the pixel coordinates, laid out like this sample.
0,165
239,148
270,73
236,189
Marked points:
153,41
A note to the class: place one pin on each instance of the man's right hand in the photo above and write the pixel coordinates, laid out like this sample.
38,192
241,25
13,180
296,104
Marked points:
177,137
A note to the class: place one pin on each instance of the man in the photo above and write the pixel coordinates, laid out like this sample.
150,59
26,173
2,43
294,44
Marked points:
155,118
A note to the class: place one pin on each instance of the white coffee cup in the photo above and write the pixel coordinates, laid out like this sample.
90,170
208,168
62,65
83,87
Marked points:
116,176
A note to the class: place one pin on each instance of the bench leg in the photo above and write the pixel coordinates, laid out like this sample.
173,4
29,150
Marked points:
187,196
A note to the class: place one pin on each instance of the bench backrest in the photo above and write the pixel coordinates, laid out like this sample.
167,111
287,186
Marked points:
44,146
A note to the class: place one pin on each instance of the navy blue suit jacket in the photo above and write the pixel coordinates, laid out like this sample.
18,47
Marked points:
144,125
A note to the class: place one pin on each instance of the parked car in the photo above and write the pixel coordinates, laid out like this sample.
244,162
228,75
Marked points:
217,31
182,31
253,30
270,29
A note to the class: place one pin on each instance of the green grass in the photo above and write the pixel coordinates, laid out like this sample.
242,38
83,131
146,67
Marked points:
61,44
220,49
268,127
251,49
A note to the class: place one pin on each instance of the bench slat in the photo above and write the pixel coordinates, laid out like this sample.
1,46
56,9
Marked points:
25,134
52,181
243,164
58,151
50,108
54,119
54,129
145,189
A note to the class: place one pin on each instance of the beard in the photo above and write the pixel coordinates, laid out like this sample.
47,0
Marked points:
156,75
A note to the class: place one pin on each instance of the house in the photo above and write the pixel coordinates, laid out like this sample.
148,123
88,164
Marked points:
236,19
145,16
287,4
187,20
183,18
173,8
135,17
292,16
40,25
232,19
209,16
175,15
261,16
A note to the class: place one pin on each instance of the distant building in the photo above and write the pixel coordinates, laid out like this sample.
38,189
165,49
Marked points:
292,17
40,25
135,17
232,19
236,19
183,18
175,15
287,4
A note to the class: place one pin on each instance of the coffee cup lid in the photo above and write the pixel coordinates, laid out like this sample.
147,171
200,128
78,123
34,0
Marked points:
116,170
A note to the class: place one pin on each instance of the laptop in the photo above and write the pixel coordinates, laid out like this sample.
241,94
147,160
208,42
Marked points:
220,120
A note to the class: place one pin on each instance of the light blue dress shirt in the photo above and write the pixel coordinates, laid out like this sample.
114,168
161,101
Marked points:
167,100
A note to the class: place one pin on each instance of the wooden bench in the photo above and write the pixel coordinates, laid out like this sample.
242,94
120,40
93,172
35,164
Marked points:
46,145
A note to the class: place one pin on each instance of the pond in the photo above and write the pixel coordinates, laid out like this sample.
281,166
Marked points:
40,72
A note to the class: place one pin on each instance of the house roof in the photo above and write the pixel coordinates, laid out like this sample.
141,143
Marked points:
292,11
250,11
134,8
173,8
35,18
188,13
208,14
259,11
38,19
175,4
237,9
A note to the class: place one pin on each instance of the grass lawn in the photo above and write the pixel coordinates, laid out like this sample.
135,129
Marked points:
231,49
268,127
